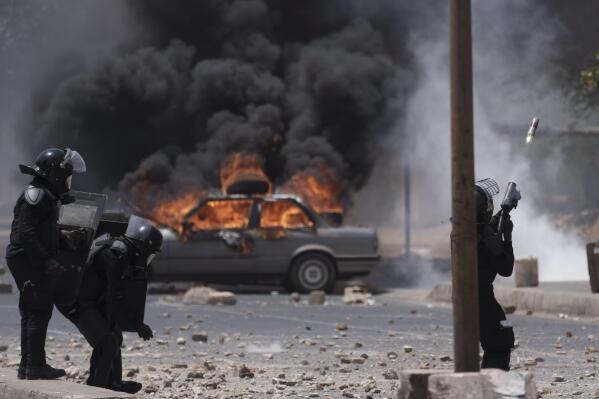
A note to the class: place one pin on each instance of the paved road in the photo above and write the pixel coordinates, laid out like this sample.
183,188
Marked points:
273,336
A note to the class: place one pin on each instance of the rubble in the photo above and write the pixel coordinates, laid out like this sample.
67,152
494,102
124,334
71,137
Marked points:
200,337
357,295
245,372
208,296
390,375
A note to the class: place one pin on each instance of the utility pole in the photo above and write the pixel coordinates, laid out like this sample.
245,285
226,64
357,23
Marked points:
407,212
463,235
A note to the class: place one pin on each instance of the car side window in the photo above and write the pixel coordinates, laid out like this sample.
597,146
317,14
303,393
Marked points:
284,214
221,215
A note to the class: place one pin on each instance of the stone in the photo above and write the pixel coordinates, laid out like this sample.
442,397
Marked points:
195,374
208,296
72,372
390,374
316,298
222,298
131,372
356,295
181,341
151,388
3,348
295,297
245,372
341,326
200,337
392,355
408,349
558,378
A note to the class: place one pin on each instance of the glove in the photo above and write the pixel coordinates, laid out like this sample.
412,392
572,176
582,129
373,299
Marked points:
508,227
145,332
53,268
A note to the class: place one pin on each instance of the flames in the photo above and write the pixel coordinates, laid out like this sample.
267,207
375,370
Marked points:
241,173
318,187
172,212
216,215
283,214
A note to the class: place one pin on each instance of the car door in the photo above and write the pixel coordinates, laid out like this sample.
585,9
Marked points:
214,242
284,226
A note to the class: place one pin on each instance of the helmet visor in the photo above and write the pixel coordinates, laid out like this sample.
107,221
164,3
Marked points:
138,228
75,160
143,231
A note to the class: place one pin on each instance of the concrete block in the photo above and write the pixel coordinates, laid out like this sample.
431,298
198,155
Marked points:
488,384
535,299
5,288
414,383
526,272
13,388
456,386
501,385
316,298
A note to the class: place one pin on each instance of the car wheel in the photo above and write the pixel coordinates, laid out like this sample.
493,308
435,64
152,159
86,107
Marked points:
312,271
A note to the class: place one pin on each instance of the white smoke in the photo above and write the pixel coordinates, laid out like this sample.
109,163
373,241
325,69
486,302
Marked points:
512,83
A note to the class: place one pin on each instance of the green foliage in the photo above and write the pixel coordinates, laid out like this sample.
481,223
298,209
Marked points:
590,77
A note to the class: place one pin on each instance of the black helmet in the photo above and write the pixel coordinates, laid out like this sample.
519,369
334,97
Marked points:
56,166
145,237
484,190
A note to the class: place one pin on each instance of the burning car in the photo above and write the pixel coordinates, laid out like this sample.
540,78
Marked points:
242,238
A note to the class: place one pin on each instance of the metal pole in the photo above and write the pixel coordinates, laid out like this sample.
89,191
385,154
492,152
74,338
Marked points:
463,235
407,222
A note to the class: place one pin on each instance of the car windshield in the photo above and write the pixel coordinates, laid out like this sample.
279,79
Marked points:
284,214
221,214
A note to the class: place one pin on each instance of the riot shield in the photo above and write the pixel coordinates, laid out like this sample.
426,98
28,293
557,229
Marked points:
82,215
130,302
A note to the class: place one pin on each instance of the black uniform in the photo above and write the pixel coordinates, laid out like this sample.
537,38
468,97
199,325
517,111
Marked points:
33,245
494,257
100,311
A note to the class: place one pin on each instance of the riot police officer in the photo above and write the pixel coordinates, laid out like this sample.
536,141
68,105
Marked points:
112,299
495,256
31,254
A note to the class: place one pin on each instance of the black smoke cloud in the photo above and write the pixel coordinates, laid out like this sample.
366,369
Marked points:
294,83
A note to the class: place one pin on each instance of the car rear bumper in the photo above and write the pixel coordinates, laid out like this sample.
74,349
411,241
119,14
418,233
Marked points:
349,266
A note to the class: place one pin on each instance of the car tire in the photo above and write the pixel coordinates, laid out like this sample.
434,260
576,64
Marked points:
312,271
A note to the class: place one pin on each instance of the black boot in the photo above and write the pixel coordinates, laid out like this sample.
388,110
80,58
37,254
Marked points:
21,373
45,372
130,387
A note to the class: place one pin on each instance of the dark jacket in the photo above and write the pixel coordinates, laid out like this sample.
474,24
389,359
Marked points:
34,230
494,257
107,285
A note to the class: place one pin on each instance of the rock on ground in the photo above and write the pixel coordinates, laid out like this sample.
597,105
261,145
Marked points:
208,296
